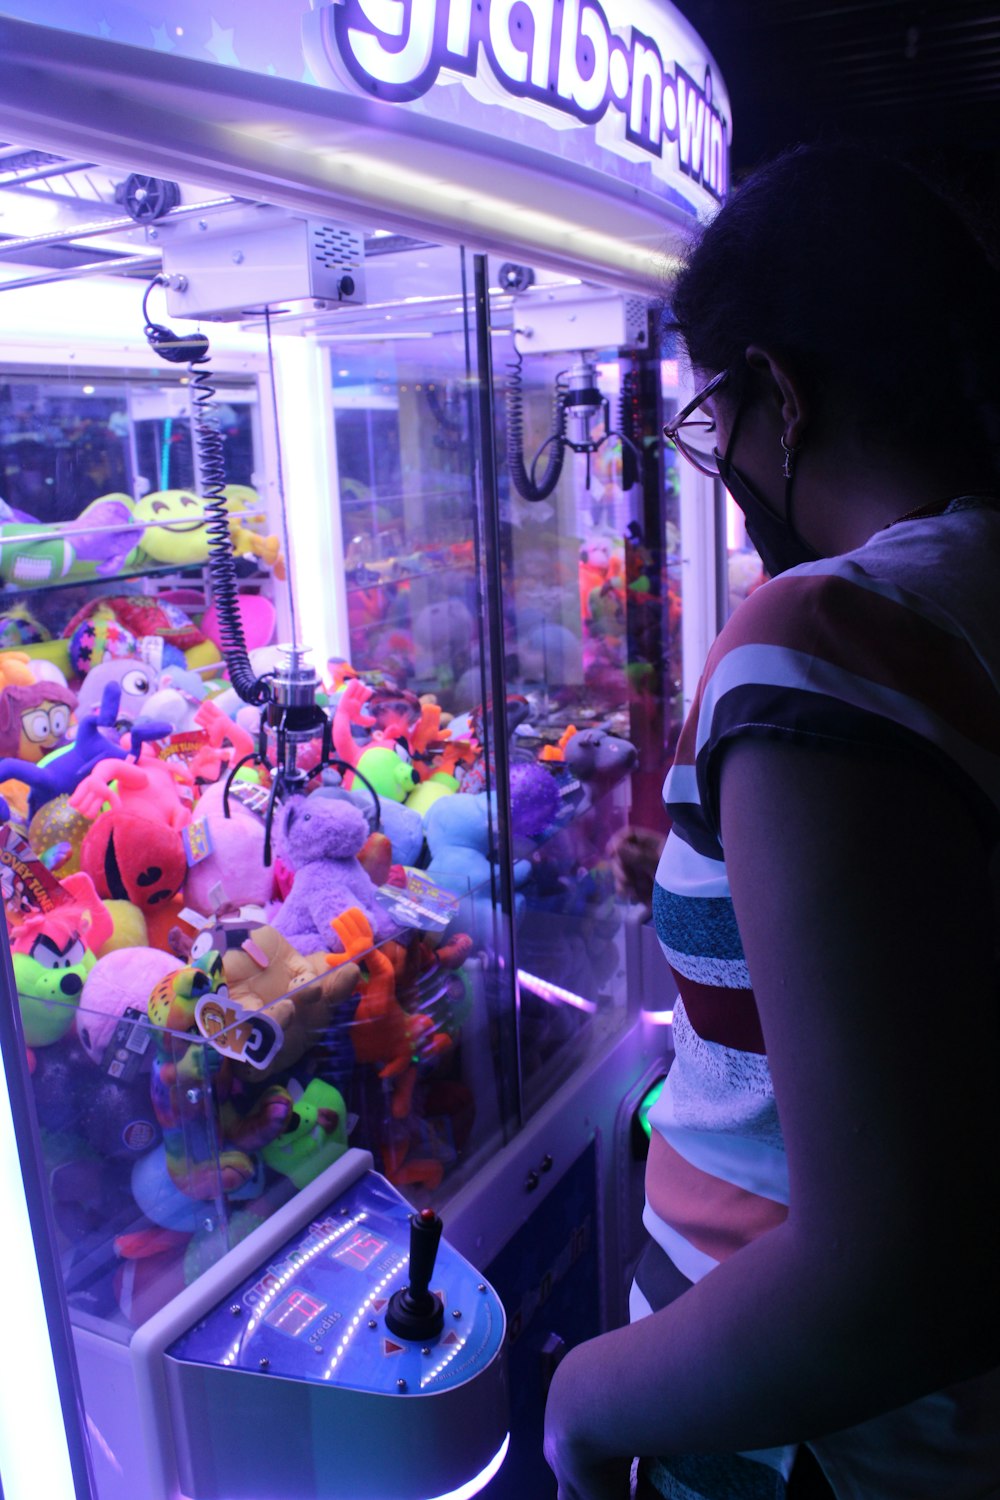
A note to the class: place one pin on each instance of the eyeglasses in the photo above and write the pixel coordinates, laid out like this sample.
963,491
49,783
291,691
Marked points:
693,433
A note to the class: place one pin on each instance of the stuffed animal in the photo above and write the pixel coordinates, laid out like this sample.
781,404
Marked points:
120,980
319,839
459,836
314,1137
208,1142
175,529
300,991
53,952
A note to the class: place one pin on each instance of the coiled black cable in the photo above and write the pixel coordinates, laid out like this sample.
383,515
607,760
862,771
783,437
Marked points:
211,469
527,485
225,588
627,430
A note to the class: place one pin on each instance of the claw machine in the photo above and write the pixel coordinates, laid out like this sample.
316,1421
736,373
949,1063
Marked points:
345,597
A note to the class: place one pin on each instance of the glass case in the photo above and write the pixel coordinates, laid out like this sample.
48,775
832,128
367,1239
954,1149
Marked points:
241,940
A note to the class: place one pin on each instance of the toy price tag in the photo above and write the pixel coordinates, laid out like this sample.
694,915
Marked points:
251,795
420,903
197,841
24,881
249,1036
183,745
125,1055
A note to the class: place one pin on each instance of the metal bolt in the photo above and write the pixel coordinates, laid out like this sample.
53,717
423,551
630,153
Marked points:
425,1350
481,1287
264,1362
152,234
237,257
531,1182
546,1163
235,1309
372,1323
401,1384
202,224
456,1312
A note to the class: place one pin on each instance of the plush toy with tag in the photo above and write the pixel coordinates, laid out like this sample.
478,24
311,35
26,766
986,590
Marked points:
208,1139
299,991
319,840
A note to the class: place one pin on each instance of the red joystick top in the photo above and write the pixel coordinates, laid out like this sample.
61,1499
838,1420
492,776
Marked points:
416,1312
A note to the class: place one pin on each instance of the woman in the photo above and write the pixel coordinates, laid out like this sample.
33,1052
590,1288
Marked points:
824,1172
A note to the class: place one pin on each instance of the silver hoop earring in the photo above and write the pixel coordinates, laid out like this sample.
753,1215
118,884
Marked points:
789,453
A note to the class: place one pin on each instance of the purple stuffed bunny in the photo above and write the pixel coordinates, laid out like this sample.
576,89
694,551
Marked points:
319,839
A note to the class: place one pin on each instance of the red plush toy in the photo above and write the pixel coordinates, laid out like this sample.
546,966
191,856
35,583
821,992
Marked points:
134,859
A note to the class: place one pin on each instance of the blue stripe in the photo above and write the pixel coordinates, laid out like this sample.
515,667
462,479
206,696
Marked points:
701,925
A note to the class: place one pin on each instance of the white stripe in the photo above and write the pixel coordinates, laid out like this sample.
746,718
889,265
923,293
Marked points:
732,973
691,1262
777,666
853,572
681,784
685,872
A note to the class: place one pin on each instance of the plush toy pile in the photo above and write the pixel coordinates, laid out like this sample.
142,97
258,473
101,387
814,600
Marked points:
205,1029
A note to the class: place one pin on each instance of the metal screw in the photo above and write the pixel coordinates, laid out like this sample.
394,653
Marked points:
425,1350
372,1323
531,1182
202,224
235,1309
456,1312
401,1384
264,1363
237,257
546,1163
152,234
481,1287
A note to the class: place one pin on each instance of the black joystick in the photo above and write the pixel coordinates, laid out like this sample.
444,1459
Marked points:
416,1312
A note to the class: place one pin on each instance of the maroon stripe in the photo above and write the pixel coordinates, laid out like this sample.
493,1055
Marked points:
719,1014
852,628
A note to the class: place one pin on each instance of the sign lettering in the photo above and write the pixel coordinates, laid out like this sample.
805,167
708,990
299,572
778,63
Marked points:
564,55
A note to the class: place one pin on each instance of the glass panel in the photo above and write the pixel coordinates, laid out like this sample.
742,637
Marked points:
591,647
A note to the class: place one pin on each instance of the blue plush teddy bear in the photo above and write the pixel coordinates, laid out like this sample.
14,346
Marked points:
459,838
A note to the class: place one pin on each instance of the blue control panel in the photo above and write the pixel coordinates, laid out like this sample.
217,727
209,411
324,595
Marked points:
317,1311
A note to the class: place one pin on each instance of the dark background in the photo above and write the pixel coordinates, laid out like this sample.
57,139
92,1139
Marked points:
922,79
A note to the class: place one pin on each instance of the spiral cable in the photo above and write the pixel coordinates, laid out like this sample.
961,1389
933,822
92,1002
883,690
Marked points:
212,481
528,486
627,430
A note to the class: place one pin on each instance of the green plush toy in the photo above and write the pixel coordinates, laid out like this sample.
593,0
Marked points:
315,1136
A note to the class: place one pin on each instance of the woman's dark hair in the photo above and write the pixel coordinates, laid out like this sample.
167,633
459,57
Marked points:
871,281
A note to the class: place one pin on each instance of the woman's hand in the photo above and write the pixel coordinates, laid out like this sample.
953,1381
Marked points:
583,1471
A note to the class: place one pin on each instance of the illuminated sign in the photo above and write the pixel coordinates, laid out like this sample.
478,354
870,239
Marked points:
555,58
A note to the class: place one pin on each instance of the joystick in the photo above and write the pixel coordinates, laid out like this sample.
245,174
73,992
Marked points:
415,1312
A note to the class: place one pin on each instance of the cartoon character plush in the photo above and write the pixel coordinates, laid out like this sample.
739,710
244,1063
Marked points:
460,838
300,991
136,681
319,839
34,718
53,952
207,1141
175,530
315,1134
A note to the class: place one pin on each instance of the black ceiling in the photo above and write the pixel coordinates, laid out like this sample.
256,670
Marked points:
922,78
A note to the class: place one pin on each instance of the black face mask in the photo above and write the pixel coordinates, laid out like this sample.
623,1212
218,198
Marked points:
778,544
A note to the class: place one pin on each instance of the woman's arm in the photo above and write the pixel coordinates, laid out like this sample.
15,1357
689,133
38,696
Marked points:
861,893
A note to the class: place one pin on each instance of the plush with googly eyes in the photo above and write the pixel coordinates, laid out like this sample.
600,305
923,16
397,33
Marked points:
175,527
134,859
134,677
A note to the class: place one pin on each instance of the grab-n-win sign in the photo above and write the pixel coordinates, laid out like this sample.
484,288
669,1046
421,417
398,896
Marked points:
565,62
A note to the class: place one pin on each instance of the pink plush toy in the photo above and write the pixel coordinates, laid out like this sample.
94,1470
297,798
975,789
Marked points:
319,840
123,979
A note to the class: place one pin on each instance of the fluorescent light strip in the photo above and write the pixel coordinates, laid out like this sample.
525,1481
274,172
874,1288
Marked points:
482,1479
554,993
34,1455
657,1017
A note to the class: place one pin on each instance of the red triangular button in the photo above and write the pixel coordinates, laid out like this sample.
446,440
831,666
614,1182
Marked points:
450,1338
388,1347
379,1303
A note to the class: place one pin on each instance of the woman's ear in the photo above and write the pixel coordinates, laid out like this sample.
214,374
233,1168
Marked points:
781,386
